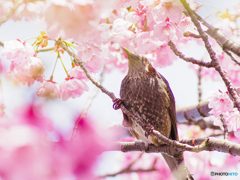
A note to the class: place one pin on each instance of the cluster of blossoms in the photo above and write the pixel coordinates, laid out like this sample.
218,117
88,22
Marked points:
221,104
28,68
25,65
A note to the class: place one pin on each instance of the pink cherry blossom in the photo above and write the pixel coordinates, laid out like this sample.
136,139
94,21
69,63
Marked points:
85,16
95,64
165,56
91,54
122,34
25,66
116,60
17,50
72,87
5,6
77,73
125,4
171,9
87,50
145,43
165,31
28,70
220,103
140,17
48,89
233,120
30,10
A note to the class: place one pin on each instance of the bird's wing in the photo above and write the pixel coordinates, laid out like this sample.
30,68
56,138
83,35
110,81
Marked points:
171,110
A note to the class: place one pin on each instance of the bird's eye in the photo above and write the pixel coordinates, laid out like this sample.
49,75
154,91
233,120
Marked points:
145,60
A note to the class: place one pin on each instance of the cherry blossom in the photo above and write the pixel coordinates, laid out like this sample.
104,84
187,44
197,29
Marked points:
48,89
77,73
220,102
118,61
25,66
165,56
17,50
28,70
171,9
91,54
233,120
122,34
85,16
30,10
165,31
125,4
145,43
72,87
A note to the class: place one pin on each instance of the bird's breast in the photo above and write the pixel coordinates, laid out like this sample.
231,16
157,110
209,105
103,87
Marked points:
146,96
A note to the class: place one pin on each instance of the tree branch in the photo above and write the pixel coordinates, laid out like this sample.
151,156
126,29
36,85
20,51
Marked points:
188,59
203,144
192,113
224,126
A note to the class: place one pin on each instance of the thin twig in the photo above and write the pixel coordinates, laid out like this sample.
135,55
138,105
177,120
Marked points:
10,13
199,84
128,169
86,107
189,34
45,49
231,56
224,126
188,59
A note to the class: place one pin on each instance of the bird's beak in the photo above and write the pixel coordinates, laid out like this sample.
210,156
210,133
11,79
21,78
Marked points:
131,57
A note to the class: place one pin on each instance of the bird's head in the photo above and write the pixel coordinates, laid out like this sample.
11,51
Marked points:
138,64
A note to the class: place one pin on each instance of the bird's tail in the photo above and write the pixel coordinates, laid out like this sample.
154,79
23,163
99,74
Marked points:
177,167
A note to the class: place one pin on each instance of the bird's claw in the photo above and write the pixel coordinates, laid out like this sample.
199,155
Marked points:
149,129
117,103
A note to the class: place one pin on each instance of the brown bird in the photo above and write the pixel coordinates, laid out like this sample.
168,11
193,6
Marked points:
147,94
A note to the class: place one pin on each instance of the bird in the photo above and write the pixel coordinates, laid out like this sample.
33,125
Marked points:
147,94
